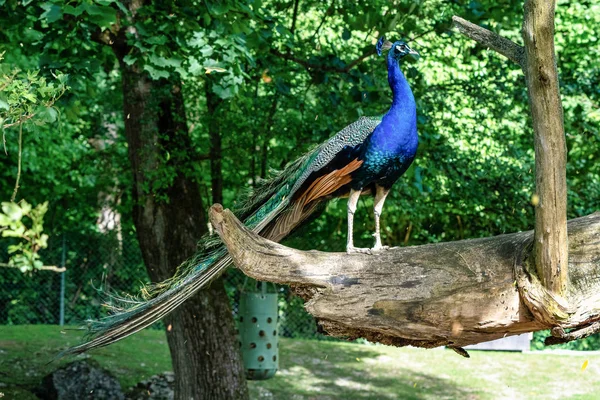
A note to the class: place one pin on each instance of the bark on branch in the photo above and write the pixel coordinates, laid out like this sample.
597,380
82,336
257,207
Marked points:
489,39
551,252
455,294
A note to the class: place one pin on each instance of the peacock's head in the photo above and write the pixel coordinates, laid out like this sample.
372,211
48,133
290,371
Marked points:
397,49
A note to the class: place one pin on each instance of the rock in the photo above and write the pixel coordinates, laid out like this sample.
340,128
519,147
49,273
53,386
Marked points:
158,387
80,380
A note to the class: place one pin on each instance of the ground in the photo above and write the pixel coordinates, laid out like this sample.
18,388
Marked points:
322,370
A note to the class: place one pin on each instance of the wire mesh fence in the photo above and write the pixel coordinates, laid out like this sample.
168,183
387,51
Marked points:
109,262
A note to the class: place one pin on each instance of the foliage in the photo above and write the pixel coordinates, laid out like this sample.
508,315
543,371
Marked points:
25,254
25,95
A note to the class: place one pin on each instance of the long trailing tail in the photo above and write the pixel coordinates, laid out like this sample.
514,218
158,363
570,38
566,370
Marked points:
131,314
275,208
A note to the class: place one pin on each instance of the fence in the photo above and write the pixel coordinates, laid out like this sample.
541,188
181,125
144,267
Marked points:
107,262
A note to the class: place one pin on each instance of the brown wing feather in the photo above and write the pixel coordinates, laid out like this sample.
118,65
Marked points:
304,205
329,183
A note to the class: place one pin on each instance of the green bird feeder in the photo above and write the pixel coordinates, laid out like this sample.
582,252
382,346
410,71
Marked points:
257,324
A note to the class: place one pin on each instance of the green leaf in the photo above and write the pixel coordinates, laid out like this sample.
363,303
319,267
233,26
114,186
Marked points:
217,8
13,248
12,211
76,11
129,59
198,39
165,62
31,35
158,40
37,264
52,12
25,207
17,232
156,73
48,114
31,97
207,51
195,68
223,92
101,15
4,220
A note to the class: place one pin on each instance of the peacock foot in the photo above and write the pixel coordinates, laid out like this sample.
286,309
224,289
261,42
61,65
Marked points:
352,249
379,248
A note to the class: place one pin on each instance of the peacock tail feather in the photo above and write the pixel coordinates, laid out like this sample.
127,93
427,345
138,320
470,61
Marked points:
259,211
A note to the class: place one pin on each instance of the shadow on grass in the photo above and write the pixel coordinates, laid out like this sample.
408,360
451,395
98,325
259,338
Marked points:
351,372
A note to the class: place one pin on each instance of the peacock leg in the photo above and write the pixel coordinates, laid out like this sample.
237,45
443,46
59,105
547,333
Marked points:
352,202
380,195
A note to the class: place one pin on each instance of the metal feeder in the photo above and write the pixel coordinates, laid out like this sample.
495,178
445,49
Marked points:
257,322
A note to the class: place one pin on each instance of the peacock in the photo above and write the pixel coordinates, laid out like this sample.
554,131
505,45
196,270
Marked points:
366,157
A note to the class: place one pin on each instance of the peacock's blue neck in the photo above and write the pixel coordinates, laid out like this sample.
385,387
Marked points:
396,135
403,99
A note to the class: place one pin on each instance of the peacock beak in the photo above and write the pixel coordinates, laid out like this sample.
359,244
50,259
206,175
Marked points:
414,54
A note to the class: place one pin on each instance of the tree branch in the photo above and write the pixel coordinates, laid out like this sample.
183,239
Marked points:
551,249
560,336
319,67
53,268
24,118
328,12
454,294
19,161
294,17
506,47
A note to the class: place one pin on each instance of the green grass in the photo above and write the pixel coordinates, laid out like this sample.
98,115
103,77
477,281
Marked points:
323,370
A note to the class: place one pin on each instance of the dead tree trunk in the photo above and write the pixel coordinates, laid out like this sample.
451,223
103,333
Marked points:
454,294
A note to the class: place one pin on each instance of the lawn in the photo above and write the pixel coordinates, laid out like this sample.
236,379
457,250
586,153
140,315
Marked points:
324,370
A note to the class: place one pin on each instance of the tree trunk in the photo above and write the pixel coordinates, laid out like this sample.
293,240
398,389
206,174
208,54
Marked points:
454,294
169,219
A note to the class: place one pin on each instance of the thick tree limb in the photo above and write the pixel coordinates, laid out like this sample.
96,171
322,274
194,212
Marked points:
455,294
489,39
551,251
